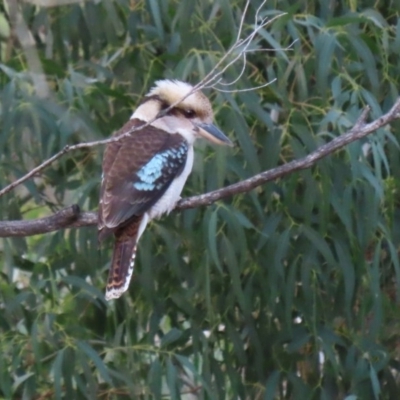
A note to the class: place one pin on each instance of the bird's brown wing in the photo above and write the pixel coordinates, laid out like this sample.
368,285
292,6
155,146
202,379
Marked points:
137,170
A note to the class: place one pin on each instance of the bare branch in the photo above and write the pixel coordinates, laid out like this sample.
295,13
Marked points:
70,217
61,219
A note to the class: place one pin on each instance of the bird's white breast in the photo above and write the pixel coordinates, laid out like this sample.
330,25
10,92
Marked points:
169,199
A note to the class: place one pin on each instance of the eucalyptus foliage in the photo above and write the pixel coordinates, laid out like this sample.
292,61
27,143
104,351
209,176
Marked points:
288,292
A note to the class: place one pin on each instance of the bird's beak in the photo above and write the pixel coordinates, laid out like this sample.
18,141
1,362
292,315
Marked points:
213,134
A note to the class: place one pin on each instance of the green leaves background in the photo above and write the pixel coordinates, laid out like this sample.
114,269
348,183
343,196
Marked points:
288,292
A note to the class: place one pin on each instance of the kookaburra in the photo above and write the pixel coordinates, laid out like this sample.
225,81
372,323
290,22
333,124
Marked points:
144,173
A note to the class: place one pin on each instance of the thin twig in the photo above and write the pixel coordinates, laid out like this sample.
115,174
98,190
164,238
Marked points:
238,77
242,21
210,83
247,89
72,220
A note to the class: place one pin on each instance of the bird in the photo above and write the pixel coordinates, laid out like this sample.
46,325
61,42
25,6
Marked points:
145,171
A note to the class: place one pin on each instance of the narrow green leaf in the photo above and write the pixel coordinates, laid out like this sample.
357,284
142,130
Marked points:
212,238
325,46
156,14
346,265
234,272
154,379
320,244
172,380
85,287
57,373
375,382
172,336
98,362
186,363
21,379
271,386
367,57
376,17
395,260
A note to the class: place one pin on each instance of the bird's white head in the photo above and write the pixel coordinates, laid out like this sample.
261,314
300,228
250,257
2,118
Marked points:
192,116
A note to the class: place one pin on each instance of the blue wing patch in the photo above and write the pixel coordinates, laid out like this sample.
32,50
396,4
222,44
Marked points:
160,166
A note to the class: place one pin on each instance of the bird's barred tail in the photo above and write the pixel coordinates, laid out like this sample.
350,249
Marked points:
123,260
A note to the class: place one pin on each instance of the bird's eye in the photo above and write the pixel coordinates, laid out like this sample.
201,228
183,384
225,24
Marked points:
189,113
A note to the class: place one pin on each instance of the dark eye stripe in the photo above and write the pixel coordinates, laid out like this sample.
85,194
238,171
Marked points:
164,105
188,113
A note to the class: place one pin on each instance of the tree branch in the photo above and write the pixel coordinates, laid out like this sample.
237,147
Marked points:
61,219
70,217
